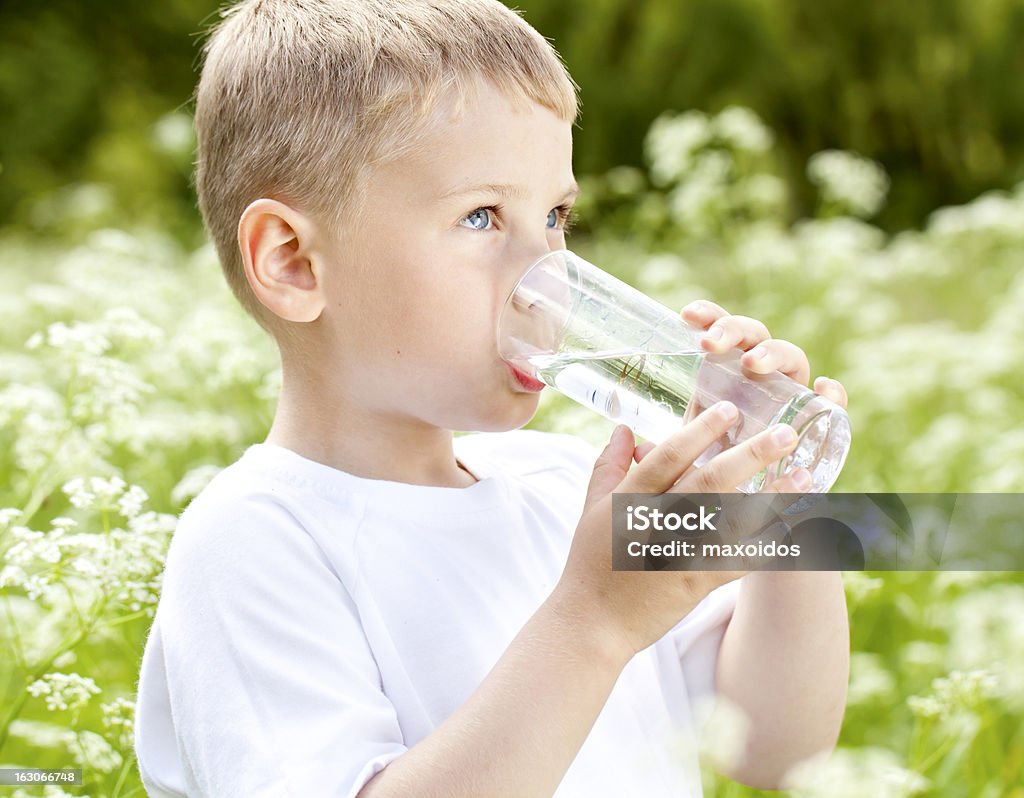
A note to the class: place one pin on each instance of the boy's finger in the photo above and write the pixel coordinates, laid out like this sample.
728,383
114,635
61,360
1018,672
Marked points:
725,471
776,354
612,464
641,451
663,465
731,332
703,313
832,390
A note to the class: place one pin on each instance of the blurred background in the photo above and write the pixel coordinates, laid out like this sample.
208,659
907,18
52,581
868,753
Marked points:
929,88
851,172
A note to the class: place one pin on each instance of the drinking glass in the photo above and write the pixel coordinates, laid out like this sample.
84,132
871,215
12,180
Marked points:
597,340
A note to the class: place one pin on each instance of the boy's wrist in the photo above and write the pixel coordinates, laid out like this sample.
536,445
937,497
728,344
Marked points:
577,623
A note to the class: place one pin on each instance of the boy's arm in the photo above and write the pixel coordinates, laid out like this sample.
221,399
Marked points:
520,730
785,661
784,658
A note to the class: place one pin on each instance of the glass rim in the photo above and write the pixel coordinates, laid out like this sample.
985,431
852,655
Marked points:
515,288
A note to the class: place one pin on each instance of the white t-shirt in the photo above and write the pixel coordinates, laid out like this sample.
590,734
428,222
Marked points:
314,625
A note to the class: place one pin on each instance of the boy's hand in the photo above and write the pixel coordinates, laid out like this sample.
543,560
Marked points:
763,353
632,609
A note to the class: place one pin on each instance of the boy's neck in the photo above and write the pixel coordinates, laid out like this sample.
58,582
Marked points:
364,447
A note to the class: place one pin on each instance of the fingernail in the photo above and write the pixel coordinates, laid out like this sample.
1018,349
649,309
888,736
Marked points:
713,334
783,435
693,307
801,478
726,410
758,353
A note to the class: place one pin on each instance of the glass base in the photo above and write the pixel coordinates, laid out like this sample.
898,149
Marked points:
824,442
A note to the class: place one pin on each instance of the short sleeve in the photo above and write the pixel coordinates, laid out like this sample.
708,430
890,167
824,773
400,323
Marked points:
271,683
697,639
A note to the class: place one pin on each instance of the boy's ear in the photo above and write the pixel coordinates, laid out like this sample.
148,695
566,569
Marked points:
276,245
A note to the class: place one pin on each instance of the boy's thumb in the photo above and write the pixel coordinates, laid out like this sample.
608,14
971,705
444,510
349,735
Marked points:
612,464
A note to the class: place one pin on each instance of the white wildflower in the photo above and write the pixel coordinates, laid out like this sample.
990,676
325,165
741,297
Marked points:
270,388
624,181
49,790
922,655
107,490
17,400
79,336
66,659
39,441
40,585
664,270
926,706
153,524
125,324
870,682
965,689
12,576
131,503
858,185
91,750
110,388
119,719
28,545
39,734
63,524
85,567
854,773
173,135
763,192
78,493
7,515
994,213
765,247
64,690
190,485
725,730
743,129
672,142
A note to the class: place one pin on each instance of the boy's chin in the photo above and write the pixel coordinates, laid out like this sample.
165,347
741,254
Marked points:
513,415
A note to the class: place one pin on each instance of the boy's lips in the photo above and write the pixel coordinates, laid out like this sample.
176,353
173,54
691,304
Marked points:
525,380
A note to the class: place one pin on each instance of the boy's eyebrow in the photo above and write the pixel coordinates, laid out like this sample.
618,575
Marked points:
504,190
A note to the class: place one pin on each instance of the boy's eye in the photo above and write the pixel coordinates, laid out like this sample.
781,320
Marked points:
478,219
562,218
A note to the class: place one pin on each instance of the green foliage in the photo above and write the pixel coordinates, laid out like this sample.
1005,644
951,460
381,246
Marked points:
920,86
925,88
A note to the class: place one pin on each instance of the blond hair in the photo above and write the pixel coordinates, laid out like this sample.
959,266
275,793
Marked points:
299,98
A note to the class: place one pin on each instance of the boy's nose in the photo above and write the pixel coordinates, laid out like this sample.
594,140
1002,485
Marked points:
537,307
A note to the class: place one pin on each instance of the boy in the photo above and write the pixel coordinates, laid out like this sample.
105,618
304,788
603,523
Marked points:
361,606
